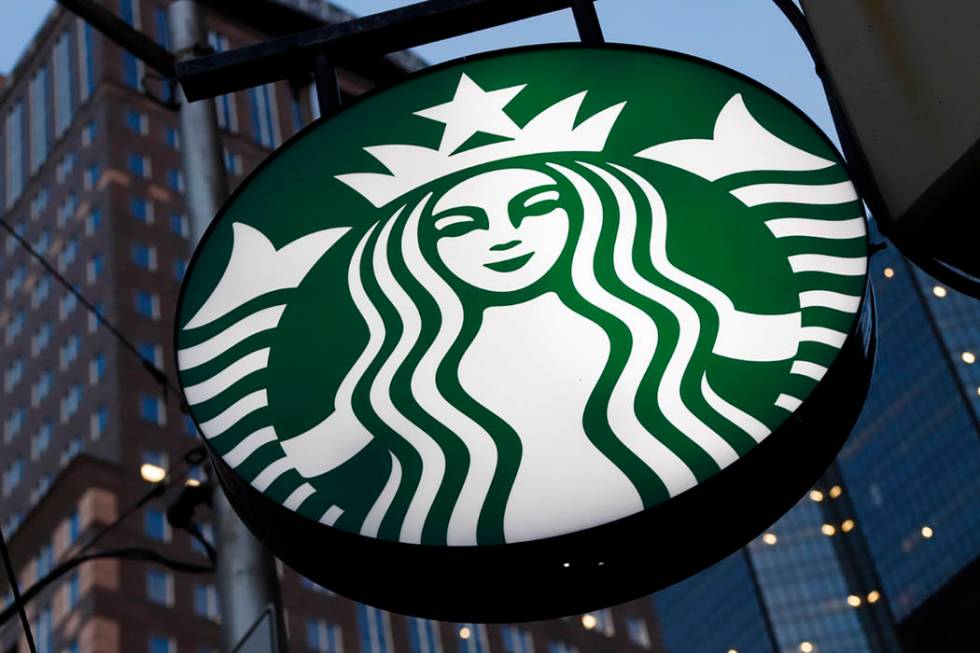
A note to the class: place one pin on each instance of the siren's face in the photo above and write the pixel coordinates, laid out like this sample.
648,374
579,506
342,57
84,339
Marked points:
502,230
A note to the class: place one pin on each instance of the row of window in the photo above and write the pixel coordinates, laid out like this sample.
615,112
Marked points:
54,92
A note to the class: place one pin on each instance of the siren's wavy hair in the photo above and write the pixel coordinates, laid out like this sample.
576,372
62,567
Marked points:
649,309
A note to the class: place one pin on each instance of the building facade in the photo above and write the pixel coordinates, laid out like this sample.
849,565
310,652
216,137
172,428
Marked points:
882,554
90,177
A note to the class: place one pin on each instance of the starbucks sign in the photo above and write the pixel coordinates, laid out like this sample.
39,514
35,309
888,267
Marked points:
530,333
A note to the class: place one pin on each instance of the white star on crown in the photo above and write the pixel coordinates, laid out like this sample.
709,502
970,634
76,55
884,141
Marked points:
473,110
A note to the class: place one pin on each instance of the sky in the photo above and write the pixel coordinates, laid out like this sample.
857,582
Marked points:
751,36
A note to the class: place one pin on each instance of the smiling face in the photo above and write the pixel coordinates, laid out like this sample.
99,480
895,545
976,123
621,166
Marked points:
502,230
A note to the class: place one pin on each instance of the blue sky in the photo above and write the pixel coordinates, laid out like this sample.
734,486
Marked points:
750,36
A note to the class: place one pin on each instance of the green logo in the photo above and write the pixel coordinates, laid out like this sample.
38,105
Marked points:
521,296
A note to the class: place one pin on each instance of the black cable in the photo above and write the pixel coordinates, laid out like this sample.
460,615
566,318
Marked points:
191,457
130,553
15,590
158,375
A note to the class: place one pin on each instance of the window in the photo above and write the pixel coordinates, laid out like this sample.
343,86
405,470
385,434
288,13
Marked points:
45,560
40,293
144,256
13,476
476,639
14,127
206,601
72,592
38,116
142,210
155,525
93,317
69,351
13,424
152,352
139,165
13,375
517,640
94,218
73,449
179,225
43,241
314,587
161,644
39,203
99,422
15,280
180,268
67,209
137,122
90,177
73,647
41,440
265,116
636,628
423,635
65,166
41,388
158,458
41,339
558,646
71,402
86,60
233,162
93,269
175,180
148,305
132,72
604,622
43,631
88,133
171,137
14,328
74,527
68,254
67,305
207,532
152,409
189,427
323,637
61,60
159,587
375,628
224,105
96,369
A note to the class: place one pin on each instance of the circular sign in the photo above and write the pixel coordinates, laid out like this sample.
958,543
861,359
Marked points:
530,333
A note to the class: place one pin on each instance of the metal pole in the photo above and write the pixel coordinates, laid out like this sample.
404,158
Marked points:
587,22
246,574
327,86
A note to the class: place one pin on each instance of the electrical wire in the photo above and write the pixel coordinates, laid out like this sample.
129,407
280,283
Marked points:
129,553
18,606
158,375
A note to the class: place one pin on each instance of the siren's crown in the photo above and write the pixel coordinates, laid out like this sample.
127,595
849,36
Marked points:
474,110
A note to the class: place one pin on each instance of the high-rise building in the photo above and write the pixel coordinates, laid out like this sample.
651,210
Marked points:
90,176
883,554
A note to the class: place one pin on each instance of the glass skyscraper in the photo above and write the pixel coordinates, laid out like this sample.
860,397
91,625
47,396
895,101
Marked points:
891,524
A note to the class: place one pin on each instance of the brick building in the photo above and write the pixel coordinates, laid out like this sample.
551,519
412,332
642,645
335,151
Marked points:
90,176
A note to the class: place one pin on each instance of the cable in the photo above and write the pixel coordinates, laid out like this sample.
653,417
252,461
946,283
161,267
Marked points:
158,375
18,601
130,553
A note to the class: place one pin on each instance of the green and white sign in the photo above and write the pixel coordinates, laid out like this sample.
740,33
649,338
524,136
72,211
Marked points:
520,297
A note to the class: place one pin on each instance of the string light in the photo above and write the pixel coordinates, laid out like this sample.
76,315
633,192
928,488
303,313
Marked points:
938,291
854,600
889,273
873,596
589,621
847,525
927,532
770,538
968,357
835,491
828,529
806,647
816,495
152,473
465,632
